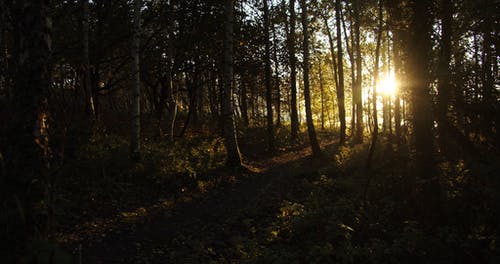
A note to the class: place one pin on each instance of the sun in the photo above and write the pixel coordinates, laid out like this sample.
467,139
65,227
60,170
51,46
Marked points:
388,85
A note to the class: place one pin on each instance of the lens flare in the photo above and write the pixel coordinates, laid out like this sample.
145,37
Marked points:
388,86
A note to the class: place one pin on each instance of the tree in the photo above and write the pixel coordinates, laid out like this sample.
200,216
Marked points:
307,93
136,91
3,47
276,76
358,138
230,136
420,28
374,98
166,96
322,94
332,50
294,118
87,85
340,88
418,55
27,154
395,20
267,76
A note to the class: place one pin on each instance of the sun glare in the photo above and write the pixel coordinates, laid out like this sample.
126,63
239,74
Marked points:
388,85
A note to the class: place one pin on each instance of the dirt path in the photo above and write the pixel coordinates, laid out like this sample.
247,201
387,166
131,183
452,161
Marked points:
229,223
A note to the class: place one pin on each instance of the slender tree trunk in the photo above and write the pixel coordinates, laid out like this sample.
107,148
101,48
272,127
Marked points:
359,77
387,97
244,103
294,118
136,91
166,96
87,85
171,100
374,103
101,6
332,52
350,52
276,77
307,94
322,91
268,81
340,88
374,98
398,76
3,48
230,136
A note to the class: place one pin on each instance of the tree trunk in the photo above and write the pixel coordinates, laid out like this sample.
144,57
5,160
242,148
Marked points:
350,52
374,104
397,73
322,91
244,103
166,95
359,77
87,85
3,47
374,98
268,81
294,117
332,52
136,90
420,45
276,77
340,88
230,136
307,94
27,154
419,58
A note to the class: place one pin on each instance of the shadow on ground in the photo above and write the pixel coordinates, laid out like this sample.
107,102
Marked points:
229,222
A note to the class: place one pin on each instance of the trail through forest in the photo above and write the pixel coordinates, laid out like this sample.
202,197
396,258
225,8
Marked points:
216,226
123,123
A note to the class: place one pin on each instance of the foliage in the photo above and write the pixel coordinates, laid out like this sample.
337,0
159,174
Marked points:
102,181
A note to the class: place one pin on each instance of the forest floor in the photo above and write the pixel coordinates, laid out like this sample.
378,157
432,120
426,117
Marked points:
181,205
231,220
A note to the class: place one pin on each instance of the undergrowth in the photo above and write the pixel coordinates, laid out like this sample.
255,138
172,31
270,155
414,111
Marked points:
102,180
334,225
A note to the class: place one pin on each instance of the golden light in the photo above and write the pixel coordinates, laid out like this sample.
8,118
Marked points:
388,85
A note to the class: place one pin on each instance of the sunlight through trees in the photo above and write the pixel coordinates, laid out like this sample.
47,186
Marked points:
109,104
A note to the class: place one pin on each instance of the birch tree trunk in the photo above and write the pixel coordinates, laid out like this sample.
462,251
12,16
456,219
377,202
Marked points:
230,136
166,96
267,69
276,77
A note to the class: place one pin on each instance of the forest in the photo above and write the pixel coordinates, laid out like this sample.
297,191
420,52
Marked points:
249,131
